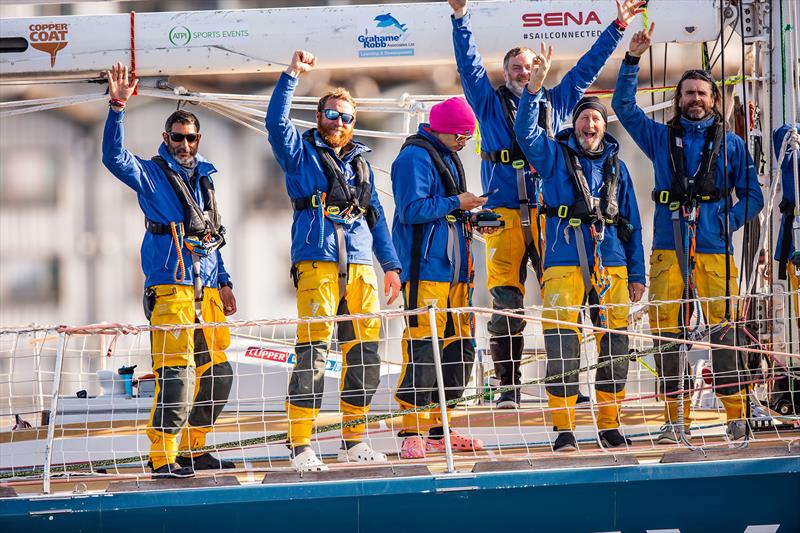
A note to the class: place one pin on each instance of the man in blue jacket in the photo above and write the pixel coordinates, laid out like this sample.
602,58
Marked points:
594,252
696,169
786,251
432,234
338,222
185,283
508,176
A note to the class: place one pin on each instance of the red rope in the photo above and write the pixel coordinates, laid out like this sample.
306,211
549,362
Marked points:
133,51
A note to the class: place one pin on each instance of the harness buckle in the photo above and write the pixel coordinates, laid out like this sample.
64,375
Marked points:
674,206
505,156
574,222
563,211
663,197
333,210
314,201
518,164
451,218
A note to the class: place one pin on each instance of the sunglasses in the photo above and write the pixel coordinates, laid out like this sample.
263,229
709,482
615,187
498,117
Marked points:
697,74
179,137
332,114
463,138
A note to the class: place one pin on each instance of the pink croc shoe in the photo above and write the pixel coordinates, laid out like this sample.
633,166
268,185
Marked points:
458,443
412,448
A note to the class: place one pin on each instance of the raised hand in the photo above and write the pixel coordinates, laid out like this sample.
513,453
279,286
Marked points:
302,61
628,9
120,86
640,41
540,68
459,7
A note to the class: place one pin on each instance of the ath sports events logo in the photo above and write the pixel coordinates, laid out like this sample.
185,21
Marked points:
389,38
182,36
49,38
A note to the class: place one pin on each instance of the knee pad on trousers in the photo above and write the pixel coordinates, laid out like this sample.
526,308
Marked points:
458,358
611,378
172,404
563,355
505,298
667,365
362,375
507,355
419,375
728,365
212,394
307,382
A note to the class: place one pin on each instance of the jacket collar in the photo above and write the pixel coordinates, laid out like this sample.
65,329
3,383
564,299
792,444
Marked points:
697,125
204,167
425,131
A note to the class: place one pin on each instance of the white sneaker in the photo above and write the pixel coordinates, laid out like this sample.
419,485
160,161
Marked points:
361,453
670,434
308,462
736,430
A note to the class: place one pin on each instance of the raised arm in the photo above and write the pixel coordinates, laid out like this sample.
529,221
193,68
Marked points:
119,161
574,84
477,87
283,136
643,129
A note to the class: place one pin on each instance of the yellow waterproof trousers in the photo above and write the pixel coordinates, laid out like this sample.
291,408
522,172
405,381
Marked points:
318,296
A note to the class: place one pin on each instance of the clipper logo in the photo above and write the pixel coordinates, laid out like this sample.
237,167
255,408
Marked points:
389,39
49,38
180,35
286,358
559,18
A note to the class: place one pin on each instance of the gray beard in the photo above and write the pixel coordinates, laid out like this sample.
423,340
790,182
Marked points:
600,147
516,89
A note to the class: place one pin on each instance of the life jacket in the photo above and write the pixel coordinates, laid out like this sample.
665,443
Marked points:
514,153
588,209
686,190
454,185
340,198
204,223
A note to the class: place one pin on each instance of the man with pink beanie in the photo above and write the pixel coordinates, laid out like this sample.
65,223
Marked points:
431,232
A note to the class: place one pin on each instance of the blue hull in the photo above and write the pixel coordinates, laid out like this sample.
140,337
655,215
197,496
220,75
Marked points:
725,496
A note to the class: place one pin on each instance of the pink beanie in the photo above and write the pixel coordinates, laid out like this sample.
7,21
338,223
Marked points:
453,116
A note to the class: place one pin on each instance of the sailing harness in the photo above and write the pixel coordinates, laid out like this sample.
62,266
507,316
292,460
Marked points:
684,197
784,257
457,220
516,158
201,230
342,203
596,213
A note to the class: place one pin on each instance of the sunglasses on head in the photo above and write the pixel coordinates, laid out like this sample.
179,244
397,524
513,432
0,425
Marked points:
332,114
697,73
179,137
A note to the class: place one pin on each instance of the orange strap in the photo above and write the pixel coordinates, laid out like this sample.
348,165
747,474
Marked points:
179,278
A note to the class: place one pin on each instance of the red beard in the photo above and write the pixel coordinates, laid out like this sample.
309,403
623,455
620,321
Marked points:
334,139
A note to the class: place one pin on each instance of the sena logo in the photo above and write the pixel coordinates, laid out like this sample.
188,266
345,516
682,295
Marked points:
559,18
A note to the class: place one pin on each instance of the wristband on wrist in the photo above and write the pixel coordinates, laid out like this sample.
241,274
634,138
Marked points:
620,25
630,60
117,102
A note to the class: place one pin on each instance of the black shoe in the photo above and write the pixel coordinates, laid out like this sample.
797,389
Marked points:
582,398
172,471
612,438
204,462
565,442
508,400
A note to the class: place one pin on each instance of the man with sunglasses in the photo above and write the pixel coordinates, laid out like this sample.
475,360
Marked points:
505,169
185,283
696,170
432,234
338,223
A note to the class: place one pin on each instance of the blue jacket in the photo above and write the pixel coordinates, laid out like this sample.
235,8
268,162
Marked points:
420,197
653,139
547,156
494,131
159,203
787,182
305,177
